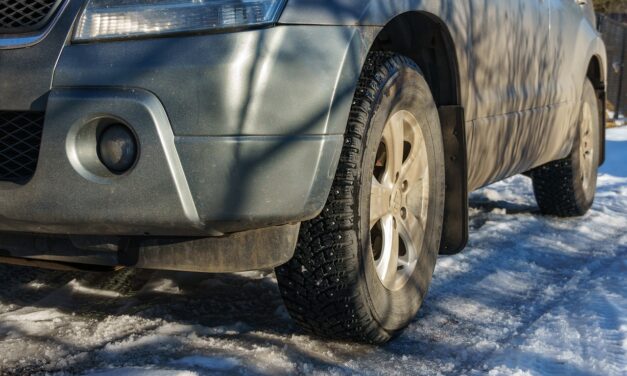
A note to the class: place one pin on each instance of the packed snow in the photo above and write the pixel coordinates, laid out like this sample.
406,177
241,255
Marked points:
531,295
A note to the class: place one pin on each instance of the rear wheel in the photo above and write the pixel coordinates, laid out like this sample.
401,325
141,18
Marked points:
363,267
566,188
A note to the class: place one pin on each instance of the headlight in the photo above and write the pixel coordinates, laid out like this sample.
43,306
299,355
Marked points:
109,19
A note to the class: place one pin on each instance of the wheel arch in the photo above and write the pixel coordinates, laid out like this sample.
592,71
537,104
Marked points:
426,39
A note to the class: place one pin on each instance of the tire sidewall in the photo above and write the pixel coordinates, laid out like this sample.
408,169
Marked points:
405,89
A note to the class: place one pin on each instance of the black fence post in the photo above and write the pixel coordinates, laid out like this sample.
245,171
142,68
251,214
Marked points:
614,35
619,94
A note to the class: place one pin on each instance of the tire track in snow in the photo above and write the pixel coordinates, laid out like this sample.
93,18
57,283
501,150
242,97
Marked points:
562,299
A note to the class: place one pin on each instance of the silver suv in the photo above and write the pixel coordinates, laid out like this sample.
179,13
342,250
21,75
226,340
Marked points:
335,140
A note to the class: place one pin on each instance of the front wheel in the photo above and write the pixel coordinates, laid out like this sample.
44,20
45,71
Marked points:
363,267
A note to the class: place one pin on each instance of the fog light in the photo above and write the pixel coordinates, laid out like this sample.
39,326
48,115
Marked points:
117,148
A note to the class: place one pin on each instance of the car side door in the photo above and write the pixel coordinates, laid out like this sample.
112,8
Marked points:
508,39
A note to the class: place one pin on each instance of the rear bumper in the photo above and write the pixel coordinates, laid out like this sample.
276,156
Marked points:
180,186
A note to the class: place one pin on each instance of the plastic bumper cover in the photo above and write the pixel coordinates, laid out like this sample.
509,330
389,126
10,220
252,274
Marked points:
183,186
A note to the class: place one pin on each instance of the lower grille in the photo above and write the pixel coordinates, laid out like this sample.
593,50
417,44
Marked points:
20,139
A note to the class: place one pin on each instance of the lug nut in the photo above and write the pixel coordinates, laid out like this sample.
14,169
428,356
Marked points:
404,213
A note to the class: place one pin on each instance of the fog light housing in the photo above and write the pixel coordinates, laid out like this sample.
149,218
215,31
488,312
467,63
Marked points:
117,148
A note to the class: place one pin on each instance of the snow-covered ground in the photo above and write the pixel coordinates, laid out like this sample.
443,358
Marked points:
531,296
617,121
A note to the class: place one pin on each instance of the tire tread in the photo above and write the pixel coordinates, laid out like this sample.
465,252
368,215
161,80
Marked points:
320,284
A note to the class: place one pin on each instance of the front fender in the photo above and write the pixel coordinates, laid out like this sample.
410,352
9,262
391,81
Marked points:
367,18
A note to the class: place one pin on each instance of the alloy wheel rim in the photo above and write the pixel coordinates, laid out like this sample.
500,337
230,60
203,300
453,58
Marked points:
586,148
399,200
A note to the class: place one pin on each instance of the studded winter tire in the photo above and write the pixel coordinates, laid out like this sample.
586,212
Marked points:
362,268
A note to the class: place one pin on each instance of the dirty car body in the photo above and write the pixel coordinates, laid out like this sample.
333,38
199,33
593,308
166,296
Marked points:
238,127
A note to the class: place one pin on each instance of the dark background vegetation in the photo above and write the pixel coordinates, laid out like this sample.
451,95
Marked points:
611,6
613,28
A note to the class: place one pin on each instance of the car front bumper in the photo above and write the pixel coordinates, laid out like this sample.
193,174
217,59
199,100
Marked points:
236,132
180,185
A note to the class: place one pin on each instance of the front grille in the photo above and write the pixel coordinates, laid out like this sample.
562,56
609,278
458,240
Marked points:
26,16
20,139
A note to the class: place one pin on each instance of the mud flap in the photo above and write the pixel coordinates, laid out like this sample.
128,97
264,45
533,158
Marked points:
455,229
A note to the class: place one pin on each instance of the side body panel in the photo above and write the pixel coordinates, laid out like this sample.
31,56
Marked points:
506,136
495,42
574,41
507,37
522,64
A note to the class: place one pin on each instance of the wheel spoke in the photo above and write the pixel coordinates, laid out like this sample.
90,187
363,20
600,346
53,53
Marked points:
406,267
399,200
393,137
416,166
379,201
412,231
388,262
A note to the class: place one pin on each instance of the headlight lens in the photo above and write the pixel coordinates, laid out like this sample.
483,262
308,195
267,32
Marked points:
113,19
